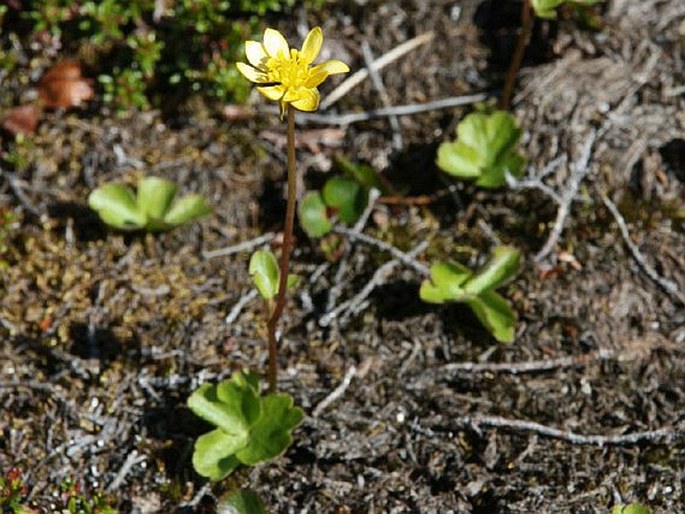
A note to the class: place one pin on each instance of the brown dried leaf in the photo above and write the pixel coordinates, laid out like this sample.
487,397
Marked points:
21,120
63,86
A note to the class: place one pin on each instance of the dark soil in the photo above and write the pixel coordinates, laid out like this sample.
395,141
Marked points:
103,336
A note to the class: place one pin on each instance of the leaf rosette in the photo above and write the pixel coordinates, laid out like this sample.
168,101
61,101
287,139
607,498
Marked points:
249,428
154,207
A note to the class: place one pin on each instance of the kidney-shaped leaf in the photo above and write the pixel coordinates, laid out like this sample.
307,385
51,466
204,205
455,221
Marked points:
116,205
346,196
313,215
271,434
485,149
240,502
214,455
265,274
445,283
502,266
224,411
494,313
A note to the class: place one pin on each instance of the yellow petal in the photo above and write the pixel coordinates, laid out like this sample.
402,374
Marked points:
308,99
275,43
330,67
273,92
315,78
256,54
251,74
312,45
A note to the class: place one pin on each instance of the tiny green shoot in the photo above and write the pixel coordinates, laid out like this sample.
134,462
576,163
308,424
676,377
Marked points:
342,198
548,8
243,501
453,282
632,508
154,208
250,428
486,149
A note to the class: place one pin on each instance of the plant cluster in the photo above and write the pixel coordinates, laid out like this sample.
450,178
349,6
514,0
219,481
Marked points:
13,492
154,207
250,428
548,8
139,50
453,282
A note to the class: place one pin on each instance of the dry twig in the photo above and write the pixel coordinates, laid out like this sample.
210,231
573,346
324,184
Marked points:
336,393
396,110
244,246
380,63
667,285
661,435
377,82
518,368
579,170
357,303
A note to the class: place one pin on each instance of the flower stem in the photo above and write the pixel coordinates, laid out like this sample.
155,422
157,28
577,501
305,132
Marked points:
286,248
517,58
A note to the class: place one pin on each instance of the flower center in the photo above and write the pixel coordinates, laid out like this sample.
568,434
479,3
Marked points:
290,70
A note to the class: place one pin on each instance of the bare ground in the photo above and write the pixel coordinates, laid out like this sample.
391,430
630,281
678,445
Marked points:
104,336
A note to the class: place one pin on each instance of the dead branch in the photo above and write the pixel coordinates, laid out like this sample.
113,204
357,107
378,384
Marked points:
358,77
661,435
667,285
244,246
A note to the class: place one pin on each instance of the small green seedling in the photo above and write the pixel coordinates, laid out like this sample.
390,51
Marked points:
250,428
632,508
12,492
341,197
75,502
548,8
452,282
266,275
154,208
486,149
244,501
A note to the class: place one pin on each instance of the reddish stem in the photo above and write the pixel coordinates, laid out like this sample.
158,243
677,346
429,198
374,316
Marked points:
517,58
286,248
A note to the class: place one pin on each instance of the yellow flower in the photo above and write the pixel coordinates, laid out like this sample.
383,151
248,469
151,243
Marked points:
284,74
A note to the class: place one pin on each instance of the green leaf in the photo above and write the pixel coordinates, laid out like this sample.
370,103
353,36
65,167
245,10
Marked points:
155,196
245,385
494,313
187,209
346,196
546,8
214,455
313,215
222,406
501,267
445,283
265,274
485,149
633,508
363,174
116,205
271,435
240,502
